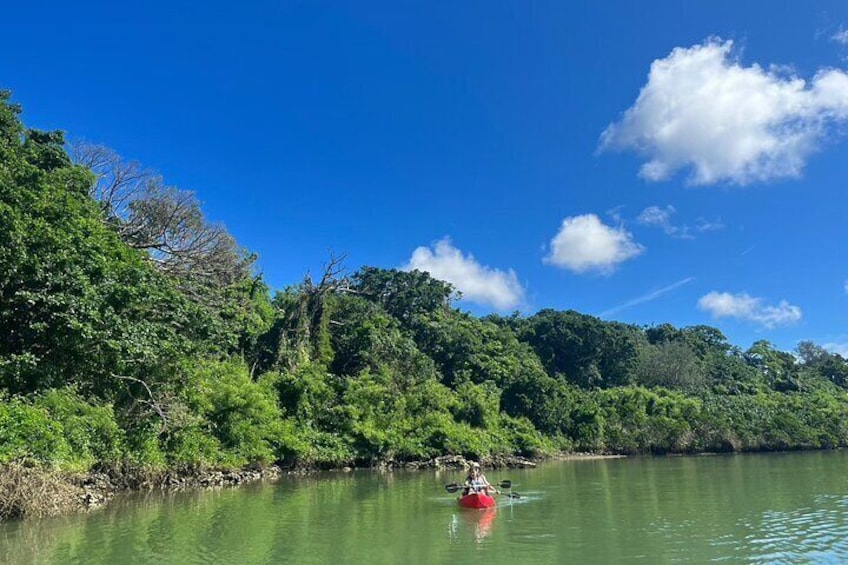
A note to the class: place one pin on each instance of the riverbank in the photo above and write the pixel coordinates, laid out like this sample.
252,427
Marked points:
33,491
28,490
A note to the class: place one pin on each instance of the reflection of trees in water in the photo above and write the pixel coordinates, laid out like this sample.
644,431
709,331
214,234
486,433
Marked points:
324,518
148,525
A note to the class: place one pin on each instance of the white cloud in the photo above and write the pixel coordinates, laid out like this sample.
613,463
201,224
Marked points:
615,214
702,109
838,348
705,225
841,36
745,307
584,243
661,218
476,282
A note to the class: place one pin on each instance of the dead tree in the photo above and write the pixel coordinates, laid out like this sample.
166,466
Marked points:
164,221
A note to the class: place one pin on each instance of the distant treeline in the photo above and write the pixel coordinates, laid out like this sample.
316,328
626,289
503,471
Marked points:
133,331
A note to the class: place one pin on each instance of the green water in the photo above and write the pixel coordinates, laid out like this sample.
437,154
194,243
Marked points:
778,508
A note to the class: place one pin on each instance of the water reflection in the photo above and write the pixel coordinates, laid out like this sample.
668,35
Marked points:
474,524
785,508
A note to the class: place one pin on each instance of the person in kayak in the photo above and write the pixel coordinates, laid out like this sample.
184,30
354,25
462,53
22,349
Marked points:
476,482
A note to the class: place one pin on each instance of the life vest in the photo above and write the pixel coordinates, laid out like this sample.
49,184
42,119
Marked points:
478,485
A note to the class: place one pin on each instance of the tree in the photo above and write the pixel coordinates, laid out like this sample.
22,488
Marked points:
77,306
117,183
822,363
587,351
811,354
778,368
705,341
406,295
168,225
364,337
301,329
670,364
164,221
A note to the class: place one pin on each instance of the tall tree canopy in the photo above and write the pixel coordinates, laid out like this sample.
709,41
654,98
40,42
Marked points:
134,329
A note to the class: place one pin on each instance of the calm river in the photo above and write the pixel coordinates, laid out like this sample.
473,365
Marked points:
776,508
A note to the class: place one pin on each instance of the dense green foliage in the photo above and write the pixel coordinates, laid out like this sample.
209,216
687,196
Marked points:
120,345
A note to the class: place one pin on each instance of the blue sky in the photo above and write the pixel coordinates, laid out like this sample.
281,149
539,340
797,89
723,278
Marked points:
646,162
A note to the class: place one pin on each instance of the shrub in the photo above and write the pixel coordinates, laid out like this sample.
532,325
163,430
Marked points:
29,432
91,431
239,413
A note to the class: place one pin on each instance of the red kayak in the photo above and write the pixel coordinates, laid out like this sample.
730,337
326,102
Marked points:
476,500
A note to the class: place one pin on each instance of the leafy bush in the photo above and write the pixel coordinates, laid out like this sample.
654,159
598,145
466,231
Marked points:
28,431
59,428
479,405
91,431
240,414
517,435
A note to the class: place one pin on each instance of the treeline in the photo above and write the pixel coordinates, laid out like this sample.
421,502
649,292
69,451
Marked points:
134,332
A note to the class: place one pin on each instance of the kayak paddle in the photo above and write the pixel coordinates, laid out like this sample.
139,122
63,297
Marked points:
453,487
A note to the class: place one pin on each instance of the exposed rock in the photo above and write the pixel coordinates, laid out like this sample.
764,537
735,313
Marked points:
507,462
450,462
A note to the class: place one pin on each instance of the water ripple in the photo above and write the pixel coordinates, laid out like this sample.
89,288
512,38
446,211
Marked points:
802,535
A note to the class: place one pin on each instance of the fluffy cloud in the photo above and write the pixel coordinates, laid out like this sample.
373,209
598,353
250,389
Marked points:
745,307
476,282
584,243
701,109
841,36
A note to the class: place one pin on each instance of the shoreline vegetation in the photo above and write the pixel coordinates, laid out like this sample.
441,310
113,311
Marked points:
141,348
29,490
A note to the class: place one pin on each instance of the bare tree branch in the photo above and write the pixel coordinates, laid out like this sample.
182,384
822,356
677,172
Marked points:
164,221
152,402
